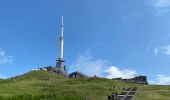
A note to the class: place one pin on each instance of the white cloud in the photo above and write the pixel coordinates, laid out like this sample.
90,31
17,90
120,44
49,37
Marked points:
4,58
114,72
156,50
165,80
85,63
152,82
88,65
166,50
160,7
161,80
162,3
159,75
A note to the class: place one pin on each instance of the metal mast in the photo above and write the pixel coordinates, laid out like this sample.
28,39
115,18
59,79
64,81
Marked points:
60,64
61,40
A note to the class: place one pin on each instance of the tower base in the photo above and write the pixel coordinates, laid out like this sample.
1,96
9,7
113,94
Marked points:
60,68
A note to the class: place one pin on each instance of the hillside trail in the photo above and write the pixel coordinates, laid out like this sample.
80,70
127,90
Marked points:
127,94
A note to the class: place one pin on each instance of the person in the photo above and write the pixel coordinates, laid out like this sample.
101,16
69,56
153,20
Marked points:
116,95
109,97
113,96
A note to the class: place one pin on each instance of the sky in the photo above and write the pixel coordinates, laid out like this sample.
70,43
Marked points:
107,38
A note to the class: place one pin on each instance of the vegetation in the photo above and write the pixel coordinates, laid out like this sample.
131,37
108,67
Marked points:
44,85
153,92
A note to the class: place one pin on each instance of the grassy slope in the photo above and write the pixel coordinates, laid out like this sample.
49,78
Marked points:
153,92
43,85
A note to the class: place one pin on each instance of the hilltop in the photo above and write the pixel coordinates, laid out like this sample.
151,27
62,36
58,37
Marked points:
45,85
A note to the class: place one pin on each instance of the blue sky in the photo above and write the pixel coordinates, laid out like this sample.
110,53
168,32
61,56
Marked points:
113,38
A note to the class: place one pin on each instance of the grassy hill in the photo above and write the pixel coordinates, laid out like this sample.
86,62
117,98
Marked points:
153,92
44,85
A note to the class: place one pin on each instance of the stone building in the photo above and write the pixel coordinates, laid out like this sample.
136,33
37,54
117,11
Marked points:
77,75
137,79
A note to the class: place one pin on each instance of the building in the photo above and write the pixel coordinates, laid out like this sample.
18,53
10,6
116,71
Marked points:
77,75
137,79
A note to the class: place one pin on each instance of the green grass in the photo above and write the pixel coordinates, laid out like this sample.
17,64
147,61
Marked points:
44,85
153,92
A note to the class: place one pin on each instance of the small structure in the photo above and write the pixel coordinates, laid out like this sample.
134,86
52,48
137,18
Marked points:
77,75
117,78
137,79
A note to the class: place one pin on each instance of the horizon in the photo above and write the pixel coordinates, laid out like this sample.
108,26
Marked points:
104,38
